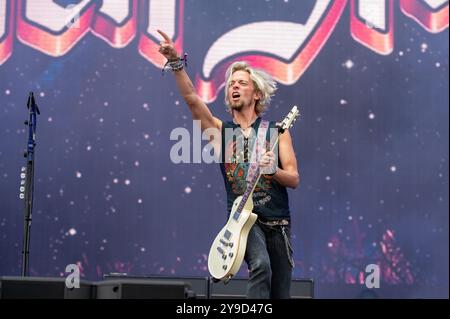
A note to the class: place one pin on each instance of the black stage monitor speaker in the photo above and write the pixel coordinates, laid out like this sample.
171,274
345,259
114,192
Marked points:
236,288
302,288
199,285
43,288
143,289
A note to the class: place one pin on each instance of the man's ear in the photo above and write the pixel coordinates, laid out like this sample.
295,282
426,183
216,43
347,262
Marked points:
257,95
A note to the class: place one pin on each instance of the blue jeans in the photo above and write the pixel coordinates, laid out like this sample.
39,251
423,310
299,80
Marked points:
269,259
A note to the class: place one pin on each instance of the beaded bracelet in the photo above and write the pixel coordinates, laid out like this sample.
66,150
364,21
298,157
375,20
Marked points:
175,65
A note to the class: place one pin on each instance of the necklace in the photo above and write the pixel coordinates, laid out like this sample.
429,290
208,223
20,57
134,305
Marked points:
246,132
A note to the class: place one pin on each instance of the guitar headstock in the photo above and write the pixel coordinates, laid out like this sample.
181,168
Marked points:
290,119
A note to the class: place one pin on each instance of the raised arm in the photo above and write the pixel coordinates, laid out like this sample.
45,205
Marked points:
198,108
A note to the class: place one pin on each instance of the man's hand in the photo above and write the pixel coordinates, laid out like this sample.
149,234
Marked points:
267,163
167,48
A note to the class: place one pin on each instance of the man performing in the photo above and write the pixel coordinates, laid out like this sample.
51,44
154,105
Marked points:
248,92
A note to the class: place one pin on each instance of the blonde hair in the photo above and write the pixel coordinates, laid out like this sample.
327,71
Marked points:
263,83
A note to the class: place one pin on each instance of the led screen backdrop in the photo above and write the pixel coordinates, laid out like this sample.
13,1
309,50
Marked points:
370,79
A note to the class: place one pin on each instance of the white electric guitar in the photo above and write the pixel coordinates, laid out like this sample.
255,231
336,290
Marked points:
228,249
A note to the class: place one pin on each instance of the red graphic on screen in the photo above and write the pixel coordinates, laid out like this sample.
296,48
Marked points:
286,73
39,33
116,34
381,41
50,42
6,39
433,20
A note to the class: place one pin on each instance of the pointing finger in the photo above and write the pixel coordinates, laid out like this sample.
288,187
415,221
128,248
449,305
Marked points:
165,36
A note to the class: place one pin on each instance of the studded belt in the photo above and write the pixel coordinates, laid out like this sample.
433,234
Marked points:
278,222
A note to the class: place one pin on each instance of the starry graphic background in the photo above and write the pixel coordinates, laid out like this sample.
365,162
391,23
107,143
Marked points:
372,148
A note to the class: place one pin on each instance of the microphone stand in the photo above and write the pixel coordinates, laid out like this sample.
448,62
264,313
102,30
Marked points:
28,174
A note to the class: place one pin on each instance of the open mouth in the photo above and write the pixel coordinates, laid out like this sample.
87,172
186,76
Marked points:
235,95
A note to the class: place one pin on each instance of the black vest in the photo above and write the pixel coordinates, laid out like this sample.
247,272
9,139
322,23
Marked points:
270,199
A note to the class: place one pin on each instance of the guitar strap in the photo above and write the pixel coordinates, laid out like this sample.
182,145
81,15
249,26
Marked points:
258,149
